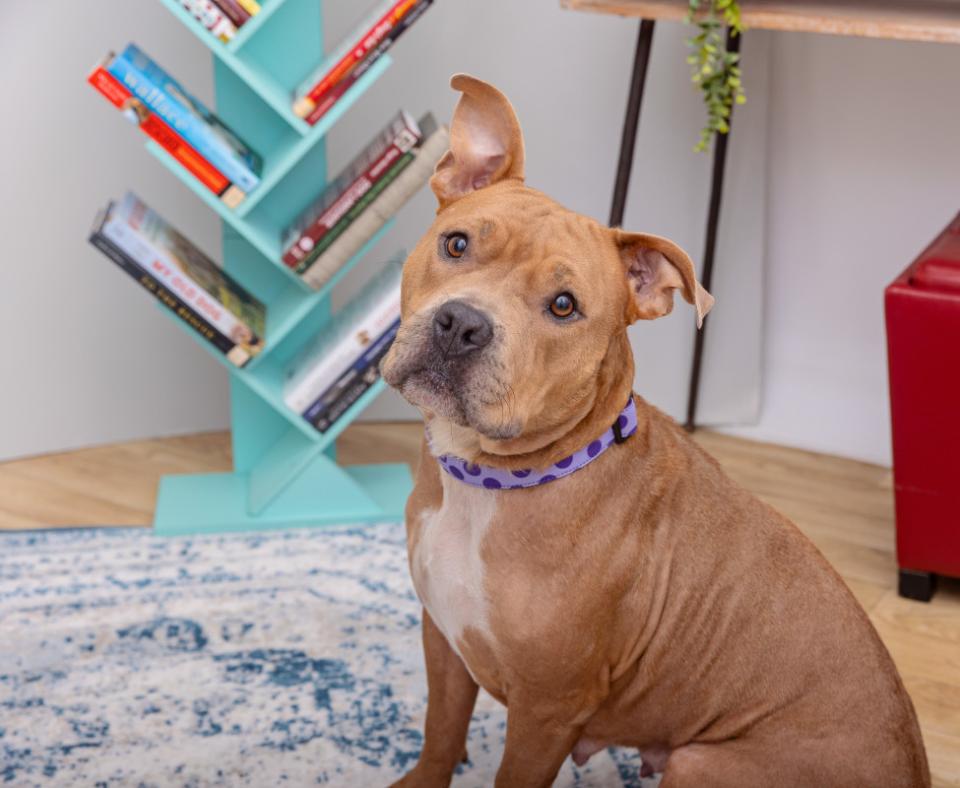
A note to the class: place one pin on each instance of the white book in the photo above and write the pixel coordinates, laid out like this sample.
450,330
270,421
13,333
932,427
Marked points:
406,184
166,270
352,329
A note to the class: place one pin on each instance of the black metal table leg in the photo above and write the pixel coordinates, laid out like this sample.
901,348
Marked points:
629,137
709,251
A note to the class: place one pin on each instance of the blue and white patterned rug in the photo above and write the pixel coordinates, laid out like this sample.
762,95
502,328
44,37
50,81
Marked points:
282,658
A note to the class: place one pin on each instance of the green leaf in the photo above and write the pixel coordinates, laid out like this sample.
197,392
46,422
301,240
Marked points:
714,70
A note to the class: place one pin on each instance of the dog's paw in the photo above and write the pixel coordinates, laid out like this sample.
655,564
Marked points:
422,778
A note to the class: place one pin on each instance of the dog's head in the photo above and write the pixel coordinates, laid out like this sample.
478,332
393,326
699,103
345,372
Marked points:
511,303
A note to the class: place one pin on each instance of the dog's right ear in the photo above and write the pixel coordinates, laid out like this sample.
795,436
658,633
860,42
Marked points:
486,144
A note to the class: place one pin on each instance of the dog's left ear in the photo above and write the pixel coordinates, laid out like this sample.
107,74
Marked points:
486,144
655,267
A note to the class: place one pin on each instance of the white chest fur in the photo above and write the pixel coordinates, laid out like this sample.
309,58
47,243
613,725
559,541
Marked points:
446,565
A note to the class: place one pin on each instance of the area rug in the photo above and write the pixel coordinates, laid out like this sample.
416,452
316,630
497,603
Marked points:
237,660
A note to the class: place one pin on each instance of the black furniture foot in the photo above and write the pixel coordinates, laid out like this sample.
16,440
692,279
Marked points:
917,585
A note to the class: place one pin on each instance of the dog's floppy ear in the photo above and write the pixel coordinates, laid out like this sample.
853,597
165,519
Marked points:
655,267
486,144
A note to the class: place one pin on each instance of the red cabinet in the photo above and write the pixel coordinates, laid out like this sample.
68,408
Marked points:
923,344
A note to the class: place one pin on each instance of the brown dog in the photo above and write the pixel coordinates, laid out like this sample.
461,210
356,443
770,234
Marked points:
644,600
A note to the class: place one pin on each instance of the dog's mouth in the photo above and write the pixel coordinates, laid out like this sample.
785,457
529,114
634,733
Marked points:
432,388
452,394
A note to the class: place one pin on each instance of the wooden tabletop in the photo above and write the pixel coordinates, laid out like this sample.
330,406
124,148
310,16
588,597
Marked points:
913,20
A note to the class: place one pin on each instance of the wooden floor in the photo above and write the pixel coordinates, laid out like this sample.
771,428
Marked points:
844,506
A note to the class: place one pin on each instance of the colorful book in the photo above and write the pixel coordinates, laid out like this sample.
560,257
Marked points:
212,17
362,322
181,269
355,180
357,208
153,126
387,202
219,341
252,7
353,384
235,12
365,38
199,127
332,96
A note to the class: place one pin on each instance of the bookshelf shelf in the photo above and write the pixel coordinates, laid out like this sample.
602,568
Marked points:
275,94
285,471
245,33
277,165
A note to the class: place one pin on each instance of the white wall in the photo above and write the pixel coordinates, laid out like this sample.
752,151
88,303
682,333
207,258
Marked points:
864,171
87,359
90,360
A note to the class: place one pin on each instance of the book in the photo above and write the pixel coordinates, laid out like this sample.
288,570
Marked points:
199,127
365,169
235,12
352,385
234,352
252,7
211,17
325,103
351,331
153,126
357,208
366,36
393,196
199,284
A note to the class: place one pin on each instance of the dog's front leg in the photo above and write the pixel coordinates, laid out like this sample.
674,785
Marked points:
536,747
451,695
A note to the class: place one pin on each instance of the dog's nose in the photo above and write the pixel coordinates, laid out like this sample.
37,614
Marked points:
459,329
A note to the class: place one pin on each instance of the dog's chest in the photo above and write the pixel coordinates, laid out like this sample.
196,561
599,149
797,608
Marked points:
446,561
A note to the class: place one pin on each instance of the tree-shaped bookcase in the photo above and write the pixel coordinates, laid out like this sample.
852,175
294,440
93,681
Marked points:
285,472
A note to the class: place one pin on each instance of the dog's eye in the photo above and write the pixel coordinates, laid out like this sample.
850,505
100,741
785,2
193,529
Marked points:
563,306
455,245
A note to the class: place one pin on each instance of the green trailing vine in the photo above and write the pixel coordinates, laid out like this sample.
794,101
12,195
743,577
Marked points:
715,71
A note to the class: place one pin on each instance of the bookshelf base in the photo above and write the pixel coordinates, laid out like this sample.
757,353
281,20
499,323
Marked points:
218,502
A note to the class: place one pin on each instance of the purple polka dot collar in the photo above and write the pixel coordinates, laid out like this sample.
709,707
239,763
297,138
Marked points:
502,479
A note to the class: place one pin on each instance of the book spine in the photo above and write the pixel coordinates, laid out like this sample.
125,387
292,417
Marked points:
357,166
190,127
252,7
211,17
151,125
322,371
365,38
353,384
312,235
329,238
235,354
232,144
357,227
326,102
234,11
164,269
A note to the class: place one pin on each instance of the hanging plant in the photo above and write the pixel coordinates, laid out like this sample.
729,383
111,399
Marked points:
714,69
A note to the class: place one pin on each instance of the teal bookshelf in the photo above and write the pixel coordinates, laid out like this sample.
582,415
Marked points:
285,472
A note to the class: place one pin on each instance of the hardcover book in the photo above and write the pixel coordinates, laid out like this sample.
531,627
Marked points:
326,102
235,12
365,38
212,17
355,180
360,324
353,384
199,127
154,127
388,201
171,261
